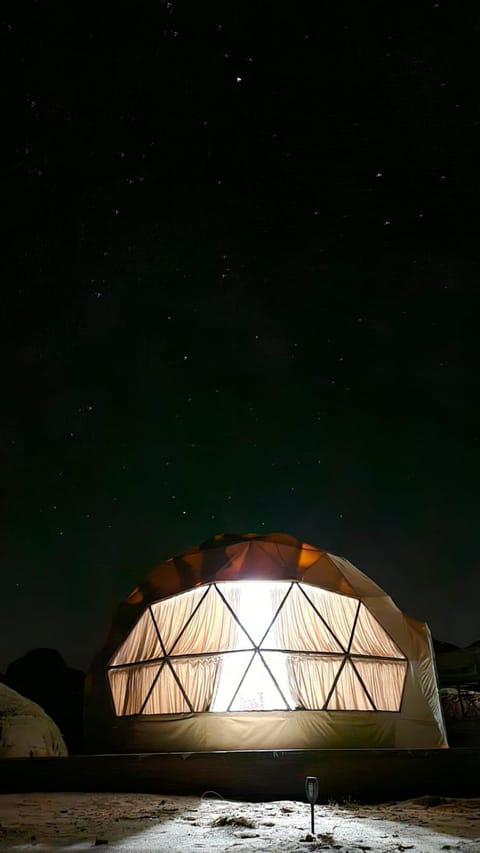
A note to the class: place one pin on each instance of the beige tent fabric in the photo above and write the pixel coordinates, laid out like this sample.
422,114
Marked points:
26,731
421,700
312,683
272,730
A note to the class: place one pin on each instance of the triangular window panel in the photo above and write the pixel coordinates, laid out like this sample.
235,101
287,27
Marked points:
305,680
142,643
172,614
384,681
349,694
255,604
371,639
198,677
166,696
212,628
230,672
299,628
258,691
279,665
338,611
130,686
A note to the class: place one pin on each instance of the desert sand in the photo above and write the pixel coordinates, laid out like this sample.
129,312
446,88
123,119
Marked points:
144,823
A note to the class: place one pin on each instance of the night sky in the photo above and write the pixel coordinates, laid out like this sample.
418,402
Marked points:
239,293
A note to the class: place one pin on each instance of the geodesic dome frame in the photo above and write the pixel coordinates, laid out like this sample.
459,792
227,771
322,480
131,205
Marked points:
256,646
258,642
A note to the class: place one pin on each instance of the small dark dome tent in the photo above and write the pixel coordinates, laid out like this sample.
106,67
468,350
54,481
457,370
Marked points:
262,642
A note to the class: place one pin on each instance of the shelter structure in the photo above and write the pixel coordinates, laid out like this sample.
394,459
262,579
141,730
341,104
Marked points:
251,642
26,731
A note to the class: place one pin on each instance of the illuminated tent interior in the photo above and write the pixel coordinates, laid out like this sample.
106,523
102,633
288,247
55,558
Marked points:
262,642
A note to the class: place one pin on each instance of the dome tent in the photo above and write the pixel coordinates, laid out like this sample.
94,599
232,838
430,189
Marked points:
262,642
26,731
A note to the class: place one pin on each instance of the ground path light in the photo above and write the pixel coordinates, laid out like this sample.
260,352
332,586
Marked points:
311,792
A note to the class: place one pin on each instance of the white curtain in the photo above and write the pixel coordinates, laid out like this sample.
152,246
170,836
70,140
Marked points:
297,626
384,681
208,660
255,603
166,696
172,614
195,675
212,629
130,686
310,679
141,644
337,610
371,639
349,694
198,677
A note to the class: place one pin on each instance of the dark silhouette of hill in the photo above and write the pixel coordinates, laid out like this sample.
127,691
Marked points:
43,676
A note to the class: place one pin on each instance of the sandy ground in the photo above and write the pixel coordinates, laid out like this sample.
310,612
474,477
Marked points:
147,823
